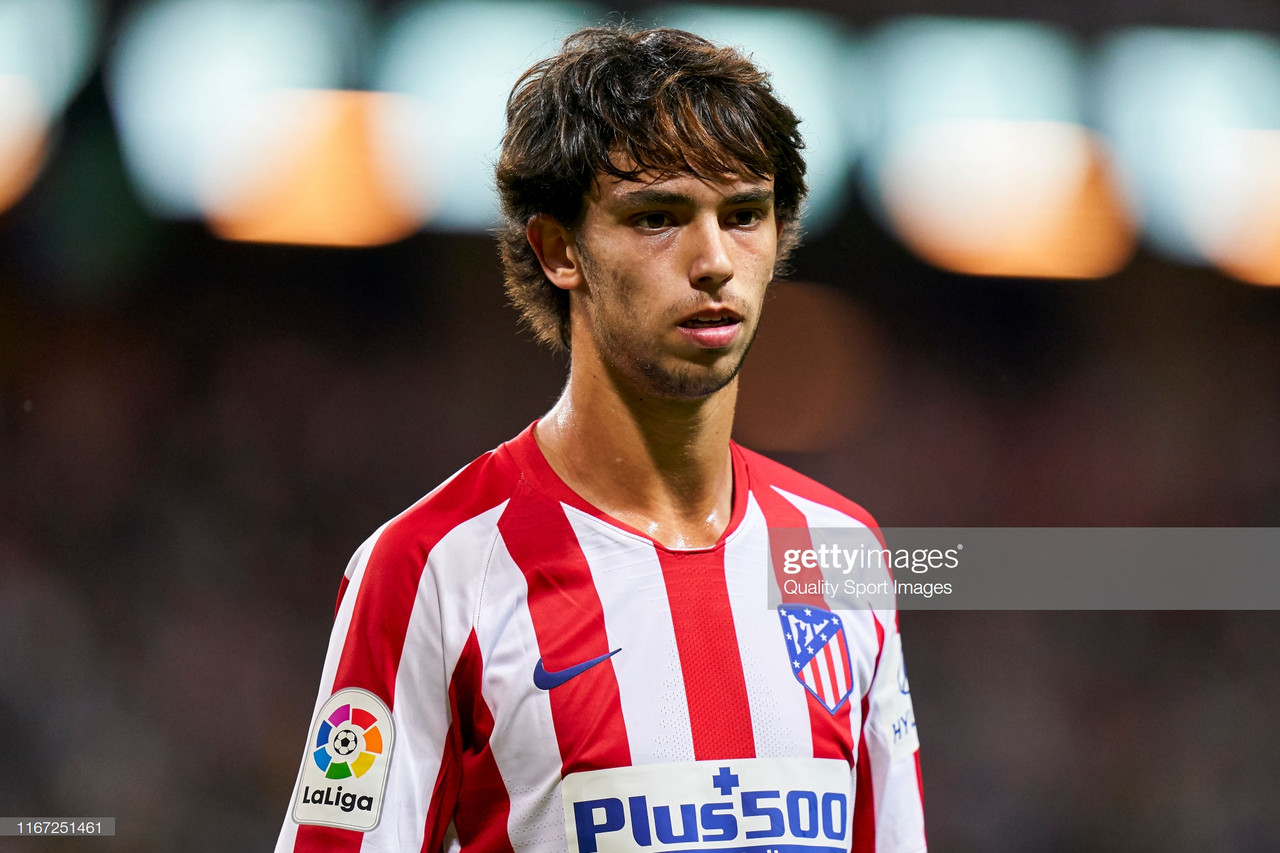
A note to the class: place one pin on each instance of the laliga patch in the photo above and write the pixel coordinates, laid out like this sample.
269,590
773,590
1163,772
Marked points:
748,805
896,716
344,774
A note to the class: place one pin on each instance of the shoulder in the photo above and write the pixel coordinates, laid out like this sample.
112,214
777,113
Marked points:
769,477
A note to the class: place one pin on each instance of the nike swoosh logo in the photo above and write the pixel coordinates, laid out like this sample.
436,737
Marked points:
543,679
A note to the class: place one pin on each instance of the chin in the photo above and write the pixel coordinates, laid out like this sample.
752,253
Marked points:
687,382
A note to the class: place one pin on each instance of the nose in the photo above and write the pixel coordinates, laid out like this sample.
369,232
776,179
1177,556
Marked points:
710,262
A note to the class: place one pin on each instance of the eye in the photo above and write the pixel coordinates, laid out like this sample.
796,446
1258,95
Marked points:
653,220
745,217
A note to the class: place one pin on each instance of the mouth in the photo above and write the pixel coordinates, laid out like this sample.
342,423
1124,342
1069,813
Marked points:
711,329
711,319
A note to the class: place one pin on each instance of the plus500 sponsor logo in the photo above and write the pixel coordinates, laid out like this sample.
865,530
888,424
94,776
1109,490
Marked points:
775,819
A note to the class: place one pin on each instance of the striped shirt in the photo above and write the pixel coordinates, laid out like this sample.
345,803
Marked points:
511,669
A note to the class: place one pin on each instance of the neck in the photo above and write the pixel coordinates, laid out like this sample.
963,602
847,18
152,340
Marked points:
662,466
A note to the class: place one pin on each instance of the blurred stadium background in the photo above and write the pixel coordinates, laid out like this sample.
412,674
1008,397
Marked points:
249,310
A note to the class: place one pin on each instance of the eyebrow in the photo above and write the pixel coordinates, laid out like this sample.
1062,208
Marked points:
651,195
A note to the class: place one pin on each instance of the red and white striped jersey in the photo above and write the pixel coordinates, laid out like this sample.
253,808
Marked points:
511,669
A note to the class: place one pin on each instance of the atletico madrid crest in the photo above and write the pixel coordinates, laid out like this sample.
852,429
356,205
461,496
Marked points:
818,652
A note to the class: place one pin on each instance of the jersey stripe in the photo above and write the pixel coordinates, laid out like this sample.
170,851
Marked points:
864,807
787,531
524,742
625,569
719,714
483,824
569,623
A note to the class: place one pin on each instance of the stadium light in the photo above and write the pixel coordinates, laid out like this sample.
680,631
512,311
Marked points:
455,63
1195,120
46,52
816,71
324,182
978,156
191,81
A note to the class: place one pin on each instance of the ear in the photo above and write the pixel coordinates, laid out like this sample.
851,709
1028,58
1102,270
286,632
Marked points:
556,250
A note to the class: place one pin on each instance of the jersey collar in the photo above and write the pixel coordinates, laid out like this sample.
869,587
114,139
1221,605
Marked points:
538,473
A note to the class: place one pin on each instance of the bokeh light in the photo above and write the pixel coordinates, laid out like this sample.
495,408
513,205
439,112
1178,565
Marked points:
979,159
456,62
186,81
326,186
1194,117
47,49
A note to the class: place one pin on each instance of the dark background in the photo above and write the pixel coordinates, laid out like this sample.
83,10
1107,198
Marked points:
195,435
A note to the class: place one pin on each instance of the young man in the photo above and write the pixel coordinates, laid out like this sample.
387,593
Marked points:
569,644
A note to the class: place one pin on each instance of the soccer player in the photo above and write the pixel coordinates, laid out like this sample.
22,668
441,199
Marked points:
569,644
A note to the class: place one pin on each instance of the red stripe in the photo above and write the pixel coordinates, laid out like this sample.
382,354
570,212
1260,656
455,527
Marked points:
816,678
836,693
864,810
710,659
482,825
327,839
444,794
384,601
864,807
342,590
568,621
789,531
765,472
920,786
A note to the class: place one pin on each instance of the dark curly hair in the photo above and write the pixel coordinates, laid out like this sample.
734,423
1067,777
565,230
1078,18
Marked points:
662,101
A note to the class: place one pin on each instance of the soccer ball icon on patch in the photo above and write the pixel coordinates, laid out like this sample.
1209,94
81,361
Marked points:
347,743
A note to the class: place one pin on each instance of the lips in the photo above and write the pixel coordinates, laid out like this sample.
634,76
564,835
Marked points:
711,328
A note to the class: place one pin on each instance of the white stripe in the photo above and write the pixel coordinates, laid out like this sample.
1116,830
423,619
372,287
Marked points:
807,674
779,705
819,664
523,743
637,619
842,674
896,791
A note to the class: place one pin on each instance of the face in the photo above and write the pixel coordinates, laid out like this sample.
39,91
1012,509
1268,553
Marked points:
674,272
